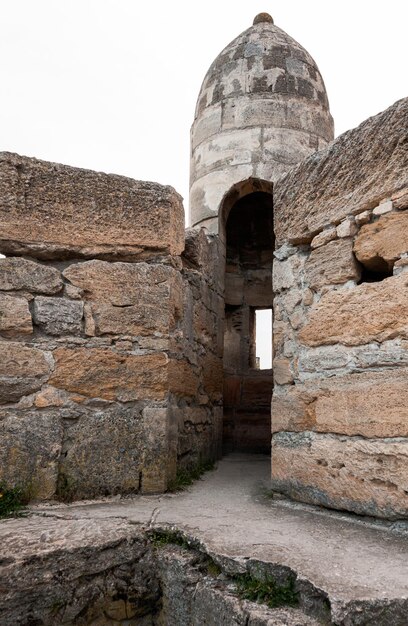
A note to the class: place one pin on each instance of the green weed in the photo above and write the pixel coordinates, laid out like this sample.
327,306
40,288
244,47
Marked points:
212,568
12,501
166,537
266,591
186,476
66,488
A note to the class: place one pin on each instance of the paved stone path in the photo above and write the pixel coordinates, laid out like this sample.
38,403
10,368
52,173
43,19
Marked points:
351,559
226,510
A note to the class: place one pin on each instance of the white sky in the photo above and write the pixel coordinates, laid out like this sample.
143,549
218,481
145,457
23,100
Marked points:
263,337
111,85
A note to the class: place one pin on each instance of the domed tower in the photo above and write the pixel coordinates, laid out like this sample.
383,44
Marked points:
262,108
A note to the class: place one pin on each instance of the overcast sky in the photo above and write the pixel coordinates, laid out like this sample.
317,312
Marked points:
111,85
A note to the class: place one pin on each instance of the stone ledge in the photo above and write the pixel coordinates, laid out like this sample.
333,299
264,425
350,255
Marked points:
354,173
53,211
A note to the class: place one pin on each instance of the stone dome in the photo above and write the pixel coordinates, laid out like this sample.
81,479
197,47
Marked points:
261,109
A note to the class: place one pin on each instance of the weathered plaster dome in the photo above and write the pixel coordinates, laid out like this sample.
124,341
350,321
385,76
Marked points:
261,109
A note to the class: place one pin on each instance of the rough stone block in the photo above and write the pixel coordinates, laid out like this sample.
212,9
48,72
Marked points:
336,359
55,211
281,332
135,299
290,409
327,186
15,316
282,373
22,274
367,312
282,277
363,218
49,396
58,316
213,376
381,243
324,237
291,299
384,207
103,373
204,323
196,434
400,266
332,264
22,371
160,442
183,378
368,404
104,453
365,476
347,228
400,199
30,451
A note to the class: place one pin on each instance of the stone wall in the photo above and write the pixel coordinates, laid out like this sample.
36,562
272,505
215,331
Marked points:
198,395
95,360
340,403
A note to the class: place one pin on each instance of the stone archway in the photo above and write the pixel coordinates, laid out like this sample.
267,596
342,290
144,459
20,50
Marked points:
247,230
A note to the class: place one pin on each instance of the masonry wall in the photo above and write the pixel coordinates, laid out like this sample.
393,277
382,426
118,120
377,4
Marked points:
94,355
340,402
197,406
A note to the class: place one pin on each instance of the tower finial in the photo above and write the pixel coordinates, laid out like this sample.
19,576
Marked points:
263,17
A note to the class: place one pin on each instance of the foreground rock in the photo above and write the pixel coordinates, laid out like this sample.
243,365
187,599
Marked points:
110,572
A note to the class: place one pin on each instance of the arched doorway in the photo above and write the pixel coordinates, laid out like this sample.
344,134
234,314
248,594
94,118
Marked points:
247,229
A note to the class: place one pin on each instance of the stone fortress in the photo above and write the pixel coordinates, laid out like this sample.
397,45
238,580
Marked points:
127,347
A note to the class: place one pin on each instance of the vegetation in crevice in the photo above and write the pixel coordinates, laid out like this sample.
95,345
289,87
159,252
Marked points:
66,488
267,591
186,476
12,501
211,567
167,536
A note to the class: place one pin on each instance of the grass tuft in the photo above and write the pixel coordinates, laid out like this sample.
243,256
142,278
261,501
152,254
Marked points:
186,476
12,501
266,591
162,538
213,569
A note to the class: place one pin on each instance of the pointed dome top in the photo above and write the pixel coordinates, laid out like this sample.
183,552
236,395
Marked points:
262,60
261,109
262,17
